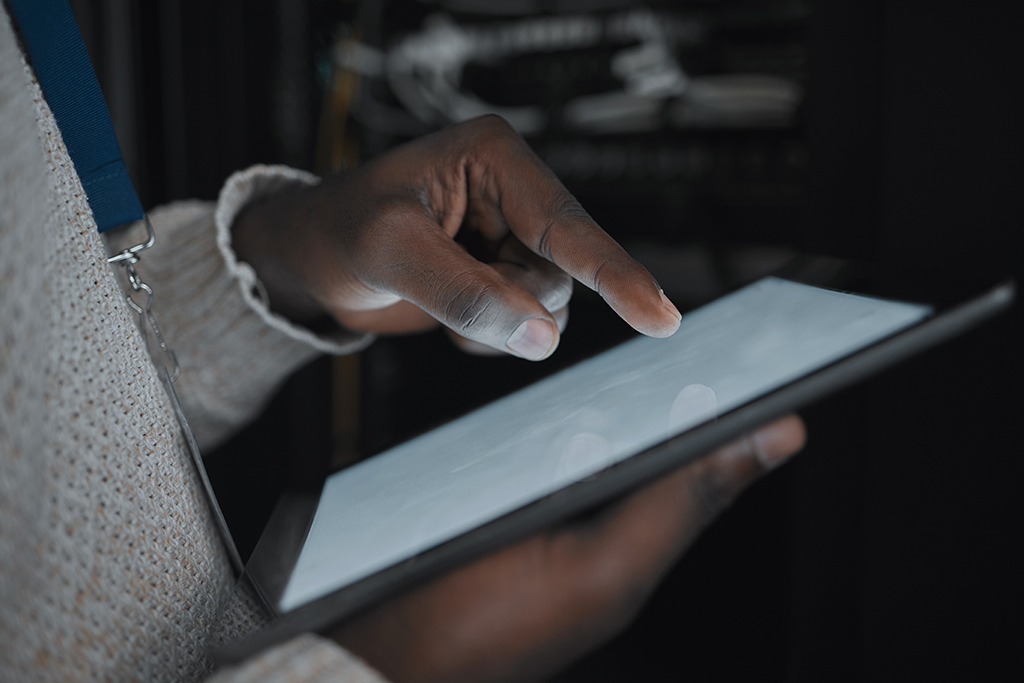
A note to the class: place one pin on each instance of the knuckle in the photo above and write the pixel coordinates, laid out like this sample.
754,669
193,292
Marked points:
492,141
471,308
493,124
566,211
485,136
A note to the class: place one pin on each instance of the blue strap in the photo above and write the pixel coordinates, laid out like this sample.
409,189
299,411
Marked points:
69,83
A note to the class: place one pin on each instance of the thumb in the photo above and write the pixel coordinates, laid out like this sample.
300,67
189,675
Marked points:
714,482
471,298
648,530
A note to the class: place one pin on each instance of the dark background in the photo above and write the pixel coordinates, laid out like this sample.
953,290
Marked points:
890,550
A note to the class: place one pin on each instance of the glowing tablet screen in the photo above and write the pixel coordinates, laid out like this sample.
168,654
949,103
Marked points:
542,438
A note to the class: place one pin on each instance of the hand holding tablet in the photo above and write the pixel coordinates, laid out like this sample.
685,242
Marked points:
529,609
376,251
590,434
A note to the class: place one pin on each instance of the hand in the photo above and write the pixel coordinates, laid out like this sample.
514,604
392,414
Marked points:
526,611
376,249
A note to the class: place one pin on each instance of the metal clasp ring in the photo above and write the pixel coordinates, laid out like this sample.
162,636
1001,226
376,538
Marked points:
128,258
131,253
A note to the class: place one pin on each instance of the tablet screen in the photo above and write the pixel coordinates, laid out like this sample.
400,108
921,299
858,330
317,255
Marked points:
577,422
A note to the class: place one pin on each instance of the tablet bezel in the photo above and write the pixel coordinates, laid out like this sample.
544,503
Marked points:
960,301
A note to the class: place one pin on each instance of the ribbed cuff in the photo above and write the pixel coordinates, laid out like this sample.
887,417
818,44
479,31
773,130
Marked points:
240,189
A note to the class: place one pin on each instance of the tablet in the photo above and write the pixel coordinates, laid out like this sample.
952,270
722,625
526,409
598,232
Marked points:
595,431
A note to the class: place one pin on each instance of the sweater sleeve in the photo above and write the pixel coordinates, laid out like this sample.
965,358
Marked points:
233,350
306,658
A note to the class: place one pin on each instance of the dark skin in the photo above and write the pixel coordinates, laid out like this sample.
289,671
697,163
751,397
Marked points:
530,609
376,251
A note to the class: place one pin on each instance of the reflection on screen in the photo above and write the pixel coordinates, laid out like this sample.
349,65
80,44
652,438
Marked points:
577,422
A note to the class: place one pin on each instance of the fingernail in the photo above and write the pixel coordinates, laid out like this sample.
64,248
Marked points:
771,445
532,340
669,305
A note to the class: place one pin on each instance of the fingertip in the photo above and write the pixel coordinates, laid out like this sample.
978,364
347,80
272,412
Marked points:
777,442
670,307
670,315
667,319
668,327
534,339
645,306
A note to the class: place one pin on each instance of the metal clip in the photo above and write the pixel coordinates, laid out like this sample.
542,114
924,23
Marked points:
127,259
131,253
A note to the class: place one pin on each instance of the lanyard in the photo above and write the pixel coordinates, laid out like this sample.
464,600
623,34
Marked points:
69,84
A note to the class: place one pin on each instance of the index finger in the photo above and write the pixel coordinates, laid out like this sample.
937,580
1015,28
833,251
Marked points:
545,216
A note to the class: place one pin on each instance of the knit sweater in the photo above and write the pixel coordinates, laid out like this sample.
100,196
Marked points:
110,564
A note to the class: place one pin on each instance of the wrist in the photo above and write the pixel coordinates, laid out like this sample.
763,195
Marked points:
265,234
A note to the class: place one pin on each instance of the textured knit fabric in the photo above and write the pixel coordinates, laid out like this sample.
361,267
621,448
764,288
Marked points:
302,659
211,314
110,565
